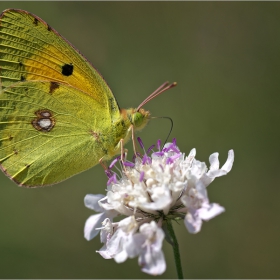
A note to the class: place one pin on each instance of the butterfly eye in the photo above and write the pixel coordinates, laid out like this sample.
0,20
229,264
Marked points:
137,119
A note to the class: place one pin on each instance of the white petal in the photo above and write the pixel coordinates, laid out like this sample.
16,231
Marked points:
213,209
134,245
128,225
198,169
214,161
91,202
152,262
93,222
103,203
193,222
153,234
216,173
228,165
106,231
121,257
104,253
114,245
161,200
201,189
192,153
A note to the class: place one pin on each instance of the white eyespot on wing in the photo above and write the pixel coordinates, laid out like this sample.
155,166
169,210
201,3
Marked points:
45,114
45,123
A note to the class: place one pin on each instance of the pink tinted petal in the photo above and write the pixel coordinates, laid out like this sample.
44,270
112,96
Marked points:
91,202
228,165
213,209
93,222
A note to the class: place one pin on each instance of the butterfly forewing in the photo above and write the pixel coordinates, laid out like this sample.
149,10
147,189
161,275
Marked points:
31,50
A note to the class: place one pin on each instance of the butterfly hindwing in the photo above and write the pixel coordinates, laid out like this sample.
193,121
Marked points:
44,137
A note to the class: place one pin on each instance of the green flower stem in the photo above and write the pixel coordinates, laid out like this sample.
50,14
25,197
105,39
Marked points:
175,247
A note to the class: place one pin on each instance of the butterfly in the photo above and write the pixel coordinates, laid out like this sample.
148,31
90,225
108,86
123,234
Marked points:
58,116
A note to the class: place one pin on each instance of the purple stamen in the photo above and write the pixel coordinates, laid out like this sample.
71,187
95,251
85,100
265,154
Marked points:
150,148
167,149
172,159
174,141
159,154
128,163
171,147
174,148
114,162
109,173
176,156
169,160
158,144
146,159
142,174
140,143
112,179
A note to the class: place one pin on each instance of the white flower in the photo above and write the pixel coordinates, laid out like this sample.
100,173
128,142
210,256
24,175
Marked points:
166,185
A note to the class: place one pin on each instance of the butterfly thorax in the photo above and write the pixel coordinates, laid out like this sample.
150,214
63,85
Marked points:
129,120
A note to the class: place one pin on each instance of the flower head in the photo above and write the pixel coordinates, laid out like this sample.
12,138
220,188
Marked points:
158,186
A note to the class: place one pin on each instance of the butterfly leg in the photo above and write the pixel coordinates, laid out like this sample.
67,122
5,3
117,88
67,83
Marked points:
101,162
136,153
133,140
123,154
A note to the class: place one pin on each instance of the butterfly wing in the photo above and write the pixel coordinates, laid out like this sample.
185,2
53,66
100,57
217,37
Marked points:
57,113
42,141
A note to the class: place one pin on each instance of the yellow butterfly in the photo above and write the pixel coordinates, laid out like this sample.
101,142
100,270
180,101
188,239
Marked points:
58,116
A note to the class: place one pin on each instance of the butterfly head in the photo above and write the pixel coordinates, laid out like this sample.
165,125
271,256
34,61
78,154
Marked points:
139,118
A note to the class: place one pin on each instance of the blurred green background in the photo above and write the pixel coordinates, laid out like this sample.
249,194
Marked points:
225,58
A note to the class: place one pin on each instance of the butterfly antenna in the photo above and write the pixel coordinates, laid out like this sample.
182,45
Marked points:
164,87
171,121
